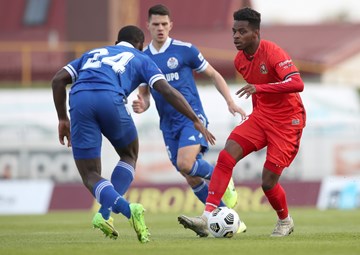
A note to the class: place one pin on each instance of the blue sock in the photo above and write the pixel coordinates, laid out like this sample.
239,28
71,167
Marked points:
202,169
201,191
110,200
122,177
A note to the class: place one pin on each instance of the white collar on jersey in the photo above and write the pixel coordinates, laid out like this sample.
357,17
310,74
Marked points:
123,43
162,49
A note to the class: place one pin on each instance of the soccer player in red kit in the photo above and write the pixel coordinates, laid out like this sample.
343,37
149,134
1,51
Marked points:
276,122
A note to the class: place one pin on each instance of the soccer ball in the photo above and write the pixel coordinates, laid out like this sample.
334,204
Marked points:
223,222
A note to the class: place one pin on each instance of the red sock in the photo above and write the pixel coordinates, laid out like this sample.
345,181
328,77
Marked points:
277,199
219,180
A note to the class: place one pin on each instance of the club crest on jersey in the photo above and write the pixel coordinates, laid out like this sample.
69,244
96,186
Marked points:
263,68
172,63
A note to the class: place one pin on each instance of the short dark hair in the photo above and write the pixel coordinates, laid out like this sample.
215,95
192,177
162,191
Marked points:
250,15
131,34
158,9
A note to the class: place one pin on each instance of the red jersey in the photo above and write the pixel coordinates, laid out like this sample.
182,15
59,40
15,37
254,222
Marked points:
277,83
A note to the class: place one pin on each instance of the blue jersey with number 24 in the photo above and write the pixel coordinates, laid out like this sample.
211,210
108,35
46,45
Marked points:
120,68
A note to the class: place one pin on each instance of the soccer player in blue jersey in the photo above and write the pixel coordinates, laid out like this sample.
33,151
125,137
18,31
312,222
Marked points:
102,80
184,144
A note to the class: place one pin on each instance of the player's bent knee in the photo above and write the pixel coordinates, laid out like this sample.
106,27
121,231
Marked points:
274,168
184,167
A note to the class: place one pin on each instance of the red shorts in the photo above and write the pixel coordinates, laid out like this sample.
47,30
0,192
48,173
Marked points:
282,141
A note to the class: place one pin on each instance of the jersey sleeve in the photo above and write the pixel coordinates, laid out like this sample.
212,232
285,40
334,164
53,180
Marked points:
195,59
283,64
292,84
72,68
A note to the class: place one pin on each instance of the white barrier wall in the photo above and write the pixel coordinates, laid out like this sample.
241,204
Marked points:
29,146
339,192
25,196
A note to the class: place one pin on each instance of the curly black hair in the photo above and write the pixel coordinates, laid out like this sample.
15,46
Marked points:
250,15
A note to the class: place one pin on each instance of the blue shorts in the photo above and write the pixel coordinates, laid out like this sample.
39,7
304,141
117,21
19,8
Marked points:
97,112
186,136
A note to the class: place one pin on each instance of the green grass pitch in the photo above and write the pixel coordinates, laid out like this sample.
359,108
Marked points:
70,233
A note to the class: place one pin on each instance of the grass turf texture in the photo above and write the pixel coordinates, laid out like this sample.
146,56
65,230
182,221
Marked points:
65,233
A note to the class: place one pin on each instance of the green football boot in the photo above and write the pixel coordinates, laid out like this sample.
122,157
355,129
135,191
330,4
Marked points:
230,196
106,226
242,228
137,221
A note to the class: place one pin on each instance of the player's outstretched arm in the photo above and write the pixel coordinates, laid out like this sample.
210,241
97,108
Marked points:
142,103
292,84
58,83
174,97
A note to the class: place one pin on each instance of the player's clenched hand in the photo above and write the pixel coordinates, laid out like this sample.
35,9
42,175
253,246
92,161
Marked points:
64,131
203,130
138,105
247,90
